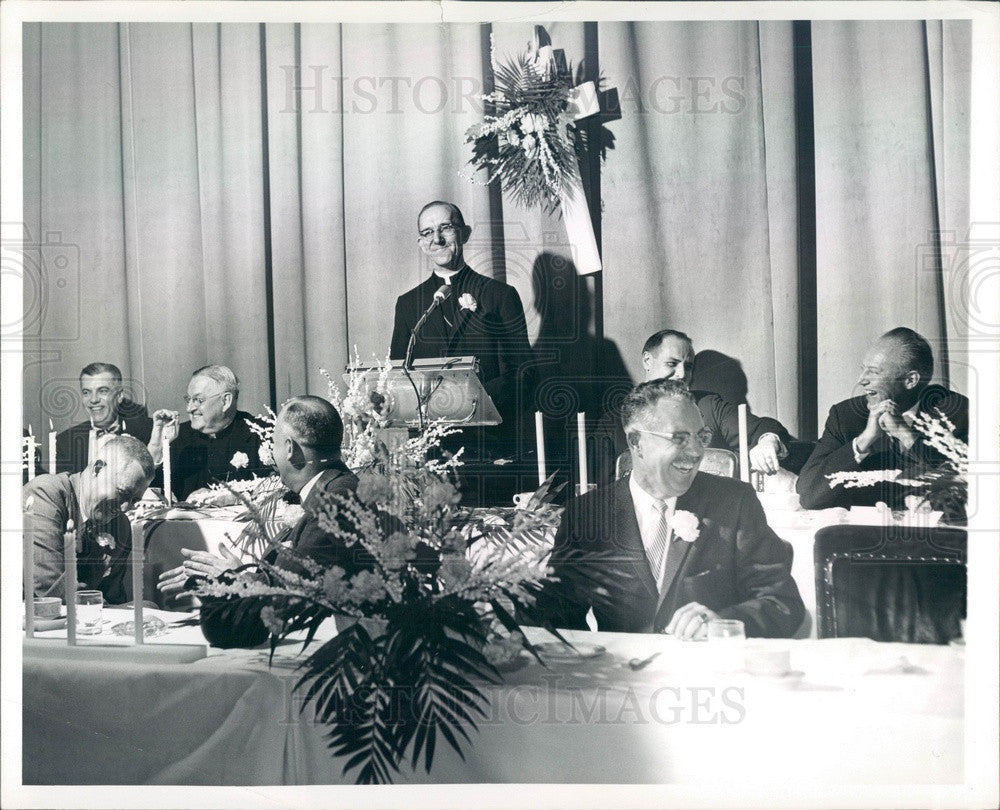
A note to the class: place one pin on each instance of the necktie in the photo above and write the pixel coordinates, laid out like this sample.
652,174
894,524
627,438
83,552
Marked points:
656,554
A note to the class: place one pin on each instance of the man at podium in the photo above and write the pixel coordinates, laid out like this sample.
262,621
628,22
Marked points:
469,314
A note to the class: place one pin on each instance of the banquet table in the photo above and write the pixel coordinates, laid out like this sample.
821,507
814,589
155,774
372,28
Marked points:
854,711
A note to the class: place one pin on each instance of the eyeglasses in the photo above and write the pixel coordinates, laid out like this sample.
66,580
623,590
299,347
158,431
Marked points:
445,230
199,400
681,438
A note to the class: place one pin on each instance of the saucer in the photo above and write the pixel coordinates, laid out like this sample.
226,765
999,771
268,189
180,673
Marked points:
559,652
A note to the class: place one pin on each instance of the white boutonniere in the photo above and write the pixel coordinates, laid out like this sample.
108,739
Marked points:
292,514
240,460
105,540
685,526
466,301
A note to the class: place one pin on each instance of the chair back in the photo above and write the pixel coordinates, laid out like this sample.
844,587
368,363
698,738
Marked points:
716,461
890,583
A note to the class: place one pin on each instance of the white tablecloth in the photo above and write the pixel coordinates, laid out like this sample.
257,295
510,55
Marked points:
862,712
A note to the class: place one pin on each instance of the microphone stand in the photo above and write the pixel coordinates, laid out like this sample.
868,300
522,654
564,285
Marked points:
442,293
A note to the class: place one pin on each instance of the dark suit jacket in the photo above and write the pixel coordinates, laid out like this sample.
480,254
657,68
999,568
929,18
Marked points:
737,567
835,453
55,502
721,417
219,623
198,459
73,443
495,334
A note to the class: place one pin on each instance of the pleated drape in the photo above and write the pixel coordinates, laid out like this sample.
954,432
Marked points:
247,194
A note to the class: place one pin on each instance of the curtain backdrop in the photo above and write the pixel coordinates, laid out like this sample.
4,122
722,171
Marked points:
247,195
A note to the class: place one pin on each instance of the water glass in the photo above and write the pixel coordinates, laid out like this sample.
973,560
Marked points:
726,629
725,642
88,612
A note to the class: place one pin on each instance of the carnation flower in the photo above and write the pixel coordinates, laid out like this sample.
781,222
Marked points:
454,571
292,514
266,454
105,540
466,301
685,526
529,143
239,460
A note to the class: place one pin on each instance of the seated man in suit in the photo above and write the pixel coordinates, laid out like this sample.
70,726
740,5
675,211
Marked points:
480,317
679,547
111,414
669,355
94,499
217,443
874,430
306,445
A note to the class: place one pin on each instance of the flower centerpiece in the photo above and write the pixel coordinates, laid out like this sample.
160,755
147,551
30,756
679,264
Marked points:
944,488
427,599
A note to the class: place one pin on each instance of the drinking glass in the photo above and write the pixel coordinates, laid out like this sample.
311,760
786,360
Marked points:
726,641
88,612
726,629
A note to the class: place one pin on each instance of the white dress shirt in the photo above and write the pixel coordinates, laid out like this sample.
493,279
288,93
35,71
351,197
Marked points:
647,514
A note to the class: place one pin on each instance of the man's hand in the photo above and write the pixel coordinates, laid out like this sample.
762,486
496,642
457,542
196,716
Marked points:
690,622
766,454
198,564
873,429
164,427
893,423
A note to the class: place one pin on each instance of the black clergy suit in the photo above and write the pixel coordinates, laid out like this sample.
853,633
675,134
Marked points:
737,567
495,333
198,459
835,453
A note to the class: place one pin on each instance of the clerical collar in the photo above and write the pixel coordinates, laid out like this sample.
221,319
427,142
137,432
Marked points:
221,430
454,277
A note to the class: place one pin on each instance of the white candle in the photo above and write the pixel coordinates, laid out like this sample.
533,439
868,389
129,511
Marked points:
137,562
581,440
167,491
69,558
52,449
540,447
744,447
31,454
29,566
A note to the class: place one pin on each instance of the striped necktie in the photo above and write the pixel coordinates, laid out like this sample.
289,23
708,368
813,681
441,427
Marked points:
656,553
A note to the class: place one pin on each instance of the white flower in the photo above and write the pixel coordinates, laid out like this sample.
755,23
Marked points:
105,540
529,143
265,454
293,512
466,301
240,460
685,526
532,122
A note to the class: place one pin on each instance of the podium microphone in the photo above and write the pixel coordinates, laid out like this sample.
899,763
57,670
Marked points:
443,292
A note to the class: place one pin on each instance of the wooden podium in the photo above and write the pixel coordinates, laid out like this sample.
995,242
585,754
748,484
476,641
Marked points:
439,388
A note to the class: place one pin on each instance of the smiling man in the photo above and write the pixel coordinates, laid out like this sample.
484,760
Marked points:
217,443
874,430
680,547
110,414
481,317
95,500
